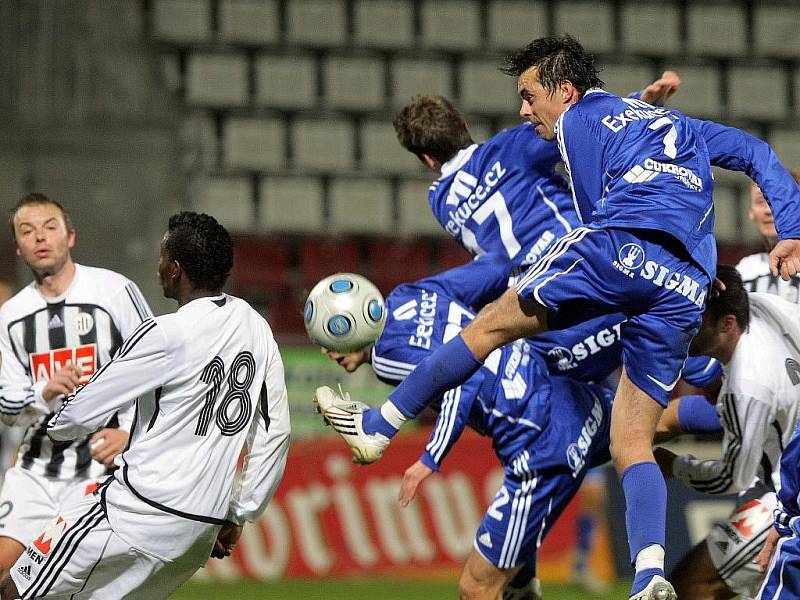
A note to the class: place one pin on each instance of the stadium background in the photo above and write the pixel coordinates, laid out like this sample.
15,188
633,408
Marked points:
275,117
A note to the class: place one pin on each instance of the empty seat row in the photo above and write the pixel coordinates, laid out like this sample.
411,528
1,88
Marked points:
713,28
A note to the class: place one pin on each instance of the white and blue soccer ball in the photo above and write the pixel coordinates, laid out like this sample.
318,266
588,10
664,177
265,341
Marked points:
344,312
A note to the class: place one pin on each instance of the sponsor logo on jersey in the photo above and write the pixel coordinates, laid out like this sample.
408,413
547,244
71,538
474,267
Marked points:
485,539
514,384
751,518
565,359
536,251
84,323
631,257
50,536
34,555
638,111
466,194
652,168
577,451
25,571
46,364
55,322
425,315
792,370
405,312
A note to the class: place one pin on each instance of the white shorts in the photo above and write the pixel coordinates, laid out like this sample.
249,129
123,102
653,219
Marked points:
29,501
80,557
734,544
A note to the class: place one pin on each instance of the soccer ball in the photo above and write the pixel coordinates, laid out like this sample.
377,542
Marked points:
344,312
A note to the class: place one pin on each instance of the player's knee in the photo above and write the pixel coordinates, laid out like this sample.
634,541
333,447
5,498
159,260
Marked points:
487,586
8,589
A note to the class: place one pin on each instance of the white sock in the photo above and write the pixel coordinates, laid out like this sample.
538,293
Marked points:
392,415
651,557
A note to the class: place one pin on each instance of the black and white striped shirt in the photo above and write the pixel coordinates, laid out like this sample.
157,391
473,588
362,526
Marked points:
38,335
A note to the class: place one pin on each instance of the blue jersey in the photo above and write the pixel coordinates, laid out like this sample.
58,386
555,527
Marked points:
505,197
635,166
787,515
434,310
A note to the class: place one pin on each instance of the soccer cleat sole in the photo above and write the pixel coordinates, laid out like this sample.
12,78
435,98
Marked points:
661,590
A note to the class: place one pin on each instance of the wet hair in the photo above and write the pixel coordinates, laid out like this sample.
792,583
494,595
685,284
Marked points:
557,59
203,248
732,301
432,125
37,199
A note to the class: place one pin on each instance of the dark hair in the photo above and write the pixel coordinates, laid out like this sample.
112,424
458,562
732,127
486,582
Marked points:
557,59
32,199
203,248
733,300
432,125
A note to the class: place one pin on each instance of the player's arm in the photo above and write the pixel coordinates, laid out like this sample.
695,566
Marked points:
267,445
450,424
687,414
736,150
142,364
747,424
661,90
475,283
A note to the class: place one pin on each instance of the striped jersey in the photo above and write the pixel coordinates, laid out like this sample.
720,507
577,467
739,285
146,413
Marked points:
38,335
504,197
206,381
758,404
757,277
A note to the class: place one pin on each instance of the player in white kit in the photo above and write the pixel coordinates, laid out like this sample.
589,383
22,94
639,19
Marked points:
54,334
206,380
756,337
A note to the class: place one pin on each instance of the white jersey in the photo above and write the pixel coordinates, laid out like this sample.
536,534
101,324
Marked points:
207,380
38,335
756,277
759,402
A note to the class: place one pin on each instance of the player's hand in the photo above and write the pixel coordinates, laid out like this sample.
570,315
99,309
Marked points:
664,460
784,260
414,475
658,92
351,361
226,540
63,383
106,444
763,558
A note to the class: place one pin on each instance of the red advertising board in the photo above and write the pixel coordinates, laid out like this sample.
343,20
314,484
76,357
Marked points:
331,518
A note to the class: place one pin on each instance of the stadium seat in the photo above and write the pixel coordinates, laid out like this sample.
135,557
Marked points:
251,22
716,29
380,150
593,19
450,254
624,78
291,204
746,97
322,257
217,80
701,94
514,23
261,264
384,23
361,206
254,143
412,77
318,23
286,81
480,76
786,143
651,27
392,262
451,24
228,199
182,21
775,30
323,144
354,83
414,210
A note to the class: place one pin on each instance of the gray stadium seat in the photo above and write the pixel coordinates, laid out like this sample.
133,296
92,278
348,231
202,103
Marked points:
323,144
757,92
650,28
228,199
182,20
592,22
412,77
253,143
514,23
382,152
318,23
249,21
717,29
354,83
361,206
286,81
217,80
451,24
384,23
292,204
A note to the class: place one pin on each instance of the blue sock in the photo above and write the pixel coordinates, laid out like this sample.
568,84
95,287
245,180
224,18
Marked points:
373,422
645,515
447,367
586,527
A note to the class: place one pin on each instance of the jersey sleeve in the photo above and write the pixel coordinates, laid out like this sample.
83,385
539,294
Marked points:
142,364
456,406
475,283
735,150
746,421
268,447
701,371
21,402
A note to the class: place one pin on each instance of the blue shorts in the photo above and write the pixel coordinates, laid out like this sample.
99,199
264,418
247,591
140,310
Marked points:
541,480
782,581
646,275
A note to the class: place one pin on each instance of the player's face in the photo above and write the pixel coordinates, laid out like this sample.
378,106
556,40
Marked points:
43,240
166,271
761,214
539,106
709,337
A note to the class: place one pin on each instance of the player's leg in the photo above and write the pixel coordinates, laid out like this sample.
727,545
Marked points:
480,579
696,578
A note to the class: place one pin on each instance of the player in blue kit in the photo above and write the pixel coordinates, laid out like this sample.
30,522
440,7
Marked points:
641,183
547,431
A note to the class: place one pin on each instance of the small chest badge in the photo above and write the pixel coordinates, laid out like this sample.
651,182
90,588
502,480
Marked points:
84,323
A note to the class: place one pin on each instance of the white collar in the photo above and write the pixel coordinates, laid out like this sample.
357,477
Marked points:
458,161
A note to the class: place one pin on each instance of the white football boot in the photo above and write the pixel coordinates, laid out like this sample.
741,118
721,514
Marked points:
532,591
658,589
344,415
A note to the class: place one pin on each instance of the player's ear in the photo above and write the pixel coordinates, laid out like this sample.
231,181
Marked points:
430,162
728,323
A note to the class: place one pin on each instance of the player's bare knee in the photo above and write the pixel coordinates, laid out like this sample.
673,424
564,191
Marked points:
470,588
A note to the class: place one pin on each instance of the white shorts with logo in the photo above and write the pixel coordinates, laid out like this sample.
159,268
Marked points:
29,501
734,544
79,556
